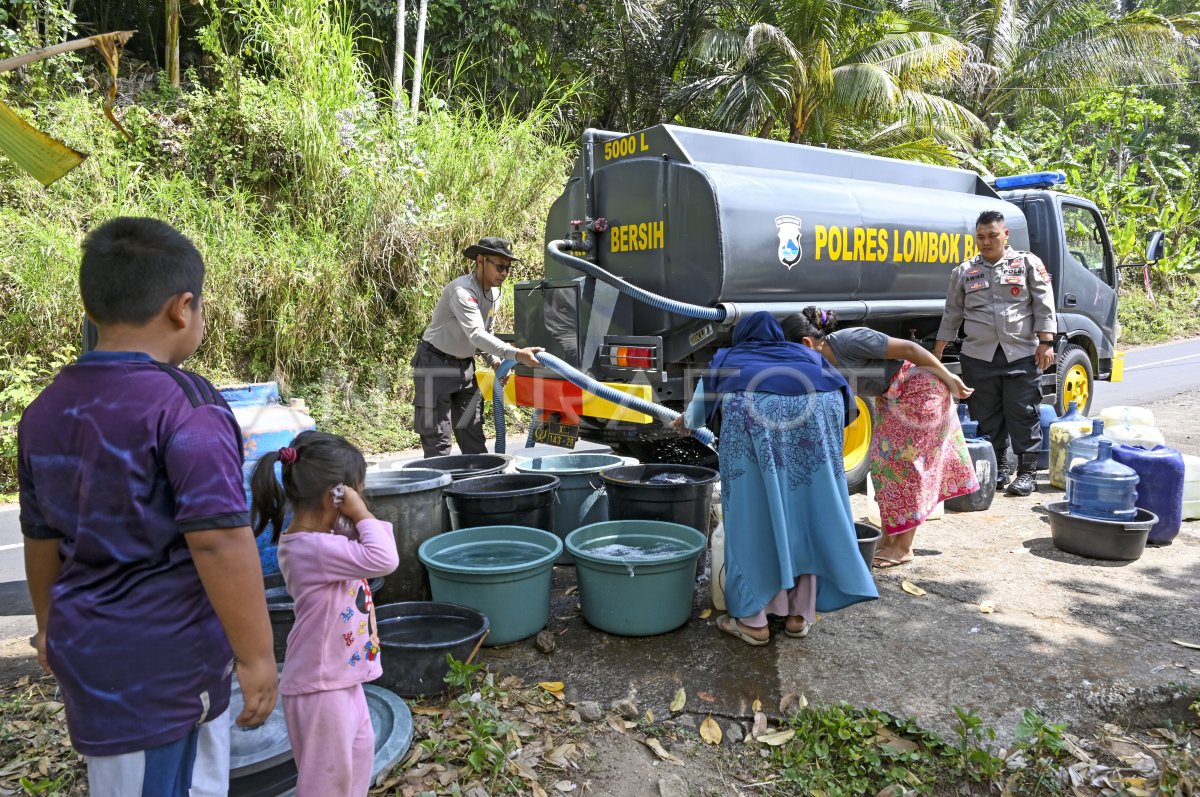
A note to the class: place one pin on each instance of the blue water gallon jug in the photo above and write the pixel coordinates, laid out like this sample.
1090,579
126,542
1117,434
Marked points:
1081,450
1163,468
983,460
1046,417
266,425
1103,489
970,428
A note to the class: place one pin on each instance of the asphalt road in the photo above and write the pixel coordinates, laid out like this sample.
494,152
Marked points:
1151,374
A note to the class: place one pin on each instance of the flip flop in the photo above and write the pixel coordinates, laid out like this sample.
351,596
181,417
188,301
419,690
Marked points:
890,562
803,632
734,630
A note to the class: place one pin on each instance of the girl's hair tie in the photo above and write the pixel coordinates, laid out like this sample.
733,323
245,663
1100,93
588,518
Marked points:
824,316
287,455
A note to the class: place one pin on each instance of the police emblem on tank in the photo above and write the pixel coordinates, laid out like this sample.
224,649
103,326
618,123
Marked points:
788,230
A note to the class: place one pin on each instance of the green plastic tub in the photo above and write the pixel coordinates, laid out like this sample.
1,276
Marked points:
502,571
636,577
582,499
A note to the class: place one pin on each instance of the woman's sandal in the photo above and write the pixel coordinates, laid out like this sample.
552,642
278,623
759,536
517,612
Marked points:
803,632
730,626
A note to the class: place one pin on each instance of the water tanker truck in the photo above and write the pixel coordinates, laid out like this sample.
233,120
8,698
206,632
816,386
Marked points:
662,239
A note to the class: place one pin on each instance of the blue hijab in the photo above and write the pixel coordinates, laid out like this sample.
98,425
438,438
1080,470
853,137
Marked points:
763,360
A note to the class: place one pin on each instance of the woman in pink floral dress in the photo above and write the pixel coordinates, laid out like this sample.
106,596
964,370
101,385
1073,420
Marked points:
918,455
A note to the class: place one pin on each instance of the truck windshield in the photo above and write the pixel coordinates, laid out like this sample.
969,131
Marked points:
1085,240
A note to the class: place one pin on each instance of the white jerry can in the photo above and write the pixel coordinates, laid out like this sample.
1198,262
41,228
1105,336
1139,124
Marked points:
717,558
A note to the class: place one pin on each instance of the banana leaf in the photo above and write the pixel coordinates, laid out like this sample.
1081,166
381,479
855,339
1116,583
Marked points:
43,157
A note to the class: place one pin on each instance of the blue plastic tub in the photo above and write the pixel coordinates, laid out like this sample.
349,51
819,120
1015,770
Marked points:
502,571
582,499
636,577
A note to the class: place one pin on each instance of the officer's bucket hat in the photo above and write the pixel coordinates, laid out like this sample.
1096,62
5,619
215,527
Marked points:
490,246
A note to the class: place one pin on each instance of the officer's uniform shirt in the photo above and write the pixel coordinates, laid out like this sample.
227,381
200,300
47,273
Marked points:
1001,304
462,321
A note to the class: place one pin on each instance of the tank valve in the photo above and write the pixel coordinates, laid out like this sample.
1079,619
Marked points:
594,225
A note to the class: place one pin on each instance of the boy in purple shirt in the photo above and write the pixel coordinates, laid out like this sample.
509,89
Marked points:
140,561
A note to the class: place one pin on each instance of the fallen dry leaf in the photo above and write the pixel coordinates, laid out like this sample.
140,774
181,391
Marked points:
756,706
1182,644
428,711
649,715
536,790
565,786
911,588
710,731
661,752
884,737
777,738
552,686
707,613
616,723
987,607
679,701
707,697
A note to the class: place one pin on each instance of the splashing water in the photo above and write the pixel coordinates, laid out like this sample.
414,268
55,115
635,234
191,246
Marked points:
629,555
668,478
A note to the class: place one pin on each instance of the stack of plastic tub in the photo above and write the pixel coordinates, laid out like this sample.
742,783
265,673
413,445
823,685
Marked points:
267,425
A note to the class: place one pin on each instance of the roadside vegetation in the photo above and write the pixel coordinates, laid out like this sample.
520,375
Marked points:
331,205
498,736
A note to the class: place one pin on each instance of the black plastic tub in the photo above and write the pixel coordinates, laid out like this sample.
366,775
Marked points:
868,541
634,493
462,466
1118,540
510,499
417,635
282,609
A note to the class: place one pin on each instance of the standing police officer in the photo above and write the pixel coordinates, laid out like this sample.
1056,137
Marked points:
1004,298
444,365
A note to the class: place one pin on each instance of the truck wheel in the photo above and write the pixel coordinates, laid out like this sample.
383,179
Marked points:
856,450
1073,381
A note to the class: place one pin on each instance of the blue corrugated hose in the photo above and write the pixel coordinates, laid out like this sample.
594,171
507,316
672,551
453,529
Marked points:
583,382
556,250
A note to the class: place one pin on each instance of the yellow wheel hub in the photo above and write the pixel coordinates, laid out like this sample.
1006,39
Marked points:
1075,387
858,437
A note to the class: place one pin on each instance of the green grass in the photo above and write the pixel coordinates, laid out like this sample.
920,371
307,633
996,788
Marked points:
1177,314
327,224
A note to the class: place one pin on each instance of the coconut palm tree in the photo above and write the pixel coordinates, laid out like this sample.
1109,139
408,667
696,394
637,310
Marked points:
1030,52
827,74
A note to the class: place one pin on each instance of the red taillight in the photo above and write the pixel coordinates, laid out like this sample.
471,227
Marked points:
634,357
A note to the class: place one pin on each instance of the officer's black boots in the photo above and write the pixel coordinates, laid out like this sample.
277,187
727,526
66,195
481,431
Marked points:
1026,481
1003,468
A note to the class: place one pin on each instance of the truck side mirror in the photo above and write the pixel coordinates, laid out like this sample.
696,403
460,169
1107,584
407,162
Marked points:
1155,248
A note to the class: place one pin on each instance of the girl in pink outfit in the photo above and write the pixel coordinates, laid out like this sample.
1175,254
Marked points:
331,548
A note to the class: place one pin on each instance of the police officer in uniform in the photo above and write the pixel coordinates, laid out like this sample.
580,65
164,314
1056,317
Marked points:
444,365
1005,302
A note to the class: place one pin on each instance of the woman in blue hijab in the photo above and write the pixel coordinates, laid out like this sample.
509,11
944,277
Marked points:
790,546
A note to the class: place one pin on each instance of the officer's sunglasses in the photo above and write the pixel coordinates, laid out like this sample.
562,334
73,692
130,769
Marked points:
499,266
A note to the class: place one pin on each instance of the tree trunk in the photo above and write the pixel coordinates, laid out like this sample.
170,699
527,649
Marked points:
398,73
420,56
172,60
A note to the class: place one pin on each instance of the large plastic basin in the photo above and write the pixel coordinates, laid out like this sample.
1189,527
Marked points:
502,571
582,497
509,499
639,592
416,637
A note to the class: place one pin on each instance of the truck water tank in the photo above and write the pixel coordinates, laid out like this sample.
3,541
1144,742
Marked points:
267,425
1162,470
1101,488
1046,417
1083,449
1191,487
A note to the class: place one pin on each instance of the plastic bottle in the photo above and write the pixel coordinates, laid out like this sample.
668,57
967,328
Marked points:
1045,417
1084,449
1191,487
1127,416
1102,488
717,563
970,428
1163,468
1135,435
1066,427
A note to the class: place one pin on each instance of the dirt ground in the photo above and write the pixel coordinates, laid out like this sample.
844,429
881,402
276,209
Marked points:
1078,640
